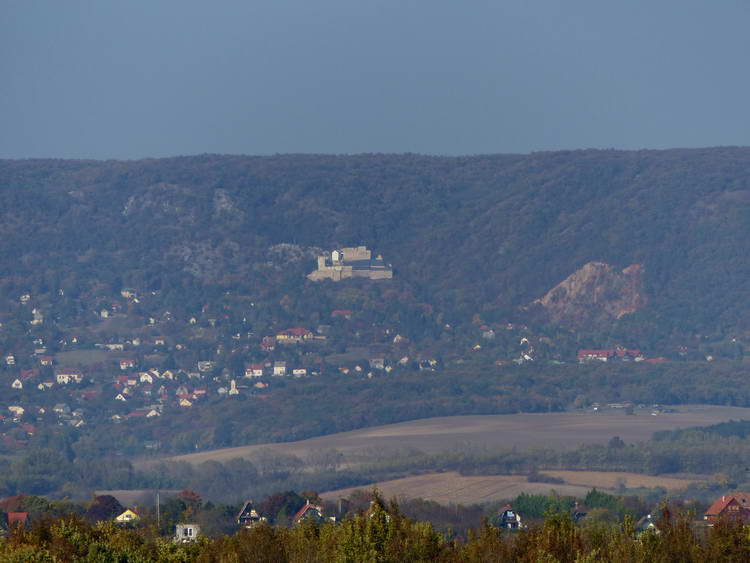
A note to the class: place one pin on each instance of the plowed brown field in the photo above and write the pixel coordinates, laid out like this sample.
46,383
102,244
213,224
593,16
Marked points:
523,431
451,487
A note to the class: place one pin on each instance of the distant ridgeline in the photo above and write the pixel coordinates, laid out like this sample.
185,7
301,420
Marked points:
355,262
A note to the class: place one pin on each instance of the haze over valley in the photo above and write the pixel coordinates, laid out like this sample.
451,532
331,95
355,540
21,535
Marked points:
391,281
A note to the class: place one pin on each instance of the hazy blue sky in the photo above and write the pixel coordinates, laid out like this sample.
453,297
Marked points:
129,79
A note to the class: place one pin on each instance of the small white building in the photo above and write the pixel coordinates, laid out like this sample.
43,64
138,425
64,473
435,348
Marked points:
38,317
254,370
185,533
63,378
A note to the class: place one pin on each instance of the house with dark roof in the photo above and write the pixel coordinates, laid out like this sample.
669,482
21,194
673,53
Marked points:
578,512
509,519
646,525
248,517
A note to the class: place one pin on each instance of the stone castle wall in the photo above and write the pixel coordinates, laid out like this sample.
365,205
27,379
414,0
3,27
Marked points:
356,253
366,267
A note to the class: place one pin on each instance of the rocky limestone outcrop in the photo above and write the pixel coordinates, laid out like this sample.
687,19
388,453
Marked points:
595,293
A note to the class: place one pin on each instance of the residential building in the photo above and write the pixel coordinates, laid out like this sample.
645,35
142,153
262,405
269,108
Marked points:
248,516
309,512
734,507
294,336
65,377
509,519
127,517
185,533
254,370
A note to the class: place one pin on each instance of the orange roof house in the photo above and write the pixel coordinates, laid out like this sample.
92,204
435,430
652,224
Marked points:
17,518
734,507
309,511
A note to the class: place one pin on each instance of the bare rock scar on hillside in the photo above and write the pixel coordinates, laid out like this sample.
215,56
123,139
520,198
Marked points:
596,293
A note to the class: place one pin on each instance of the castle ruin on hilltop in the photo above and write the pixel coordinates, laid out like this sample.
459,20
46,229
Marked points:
355,262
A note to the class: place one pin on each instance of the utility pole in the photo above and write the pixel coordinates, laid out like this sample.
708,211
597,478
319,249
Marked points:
158,514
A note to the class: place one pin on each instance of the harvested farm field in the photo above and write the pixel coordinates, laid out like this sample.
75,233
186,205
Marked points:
524,431
451,487
614,479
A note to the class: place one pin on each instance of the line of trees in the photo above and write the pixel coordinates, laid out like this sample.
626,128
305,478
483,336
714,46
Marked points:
384,534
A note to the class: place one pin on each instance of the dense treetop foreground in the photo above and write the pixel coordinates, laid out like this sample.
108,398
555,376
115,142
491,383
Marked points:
384,535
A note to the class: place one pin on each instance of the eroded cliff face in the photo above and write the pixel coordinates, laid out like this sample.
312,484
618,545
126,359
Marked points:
595,293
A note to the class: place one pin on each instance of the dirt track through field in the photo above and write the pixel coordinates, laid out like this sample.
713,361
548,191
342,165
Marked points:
523,431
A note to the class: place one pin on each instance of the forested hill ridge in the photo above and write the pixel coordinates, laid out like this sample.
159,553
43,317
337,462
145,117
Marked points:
164,306
484,235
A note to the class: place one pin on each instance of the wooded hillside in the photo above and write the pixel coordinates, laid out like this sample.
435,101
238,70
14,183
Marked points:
482,234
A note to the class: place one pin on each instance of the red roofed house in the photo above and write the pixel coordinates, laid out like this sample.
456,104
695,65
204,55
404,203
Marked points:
626,354
734,507
307,512
342,313
17,518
